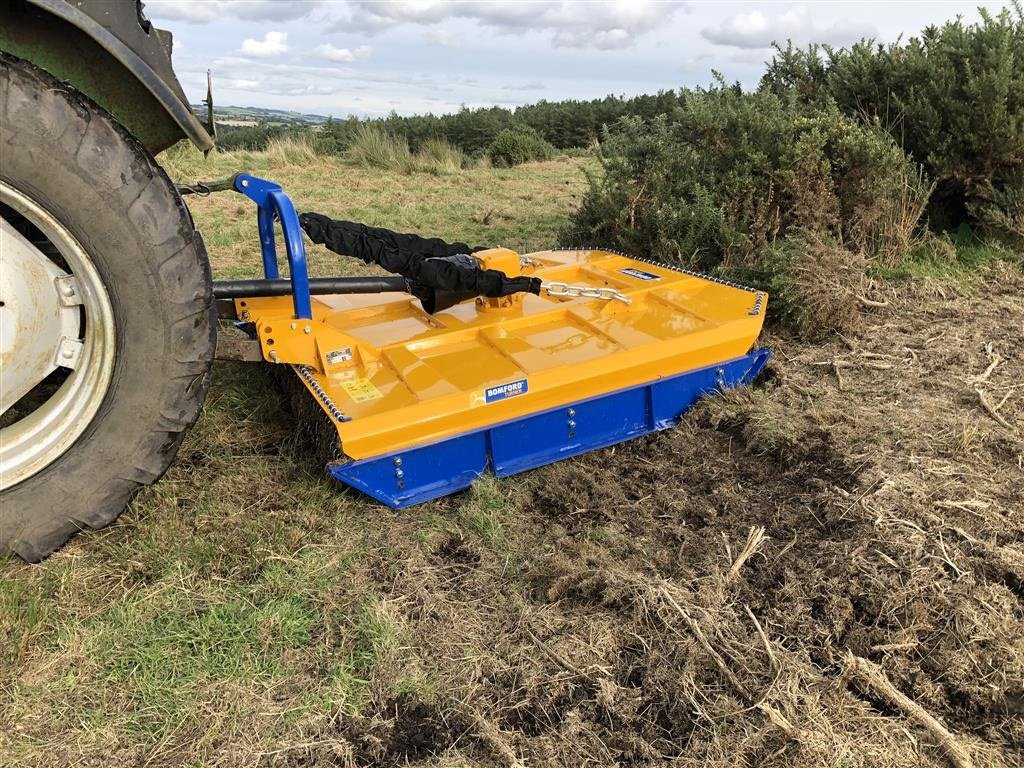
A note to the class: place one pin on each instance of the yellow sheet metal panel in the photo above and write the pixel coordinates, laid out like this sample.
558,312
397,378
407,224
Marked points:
404,378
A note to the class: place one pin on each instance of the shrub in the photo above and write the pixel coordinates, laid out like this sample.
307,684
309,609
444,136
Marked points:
514,146
729,173
953,98
815,284
737,183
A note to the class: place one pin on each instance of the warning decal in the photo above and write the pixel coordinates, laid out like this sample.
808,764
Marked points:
361,390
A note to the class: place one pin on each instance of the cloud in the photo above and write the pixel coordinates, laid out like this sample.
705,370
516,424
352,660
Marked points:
332,53
534,86
442,38
602,24
272,44
205,11
759,30
284,78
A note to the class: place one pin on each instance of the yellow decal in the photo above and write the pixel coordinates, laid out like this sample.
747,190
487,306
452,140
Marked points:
361,390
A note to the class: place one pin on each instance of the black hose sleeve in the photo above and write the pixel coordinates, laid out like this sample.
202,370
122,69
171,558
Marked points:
430,264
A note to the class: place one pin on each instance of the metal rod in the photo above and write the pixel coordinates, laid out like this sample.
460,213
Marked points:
318,286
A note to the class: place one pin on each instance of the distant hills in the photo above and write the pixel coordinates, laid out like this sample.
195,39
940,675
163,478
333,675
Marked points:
245,116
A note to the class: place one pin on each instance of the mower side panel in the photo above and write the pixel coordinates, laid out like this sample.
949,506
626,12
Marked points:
438,469
110,53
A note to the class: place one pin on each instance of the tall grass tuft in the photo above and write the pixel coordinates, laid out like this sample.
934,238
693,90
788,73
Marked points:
289,151
373,147
183,161
438,156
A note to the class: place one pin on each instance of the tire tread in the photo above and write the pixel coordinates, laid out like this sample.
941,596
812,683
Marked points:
112,159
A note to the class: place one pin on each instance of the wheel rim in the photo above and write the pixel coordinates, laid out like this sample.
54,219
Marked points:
57,338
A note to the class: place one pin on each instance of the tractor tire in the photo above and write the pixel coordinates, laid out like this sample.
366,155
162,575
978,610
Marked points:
84,204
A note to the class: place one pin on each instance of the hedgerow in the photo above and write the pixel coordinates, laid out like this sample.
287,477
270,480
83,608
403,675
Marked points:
514,146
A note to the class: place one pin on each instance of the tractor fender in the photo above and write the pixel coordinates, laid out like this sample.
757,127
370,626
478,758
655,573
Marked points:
110,52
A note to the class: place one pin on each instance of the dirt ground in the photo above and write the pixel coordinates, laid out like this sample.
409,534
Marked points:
798,575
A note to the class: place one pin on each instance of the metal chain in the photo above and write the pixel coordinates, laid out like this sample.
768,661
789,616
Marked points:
585,291
204,188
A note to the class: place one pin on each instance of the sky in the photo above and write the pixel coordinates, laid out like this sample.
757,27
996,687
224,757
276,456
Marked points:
371,57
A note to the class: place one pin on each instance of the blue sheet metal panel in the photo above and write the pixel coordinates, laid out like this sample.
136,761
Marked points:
586,426
418,474
438,469
671,397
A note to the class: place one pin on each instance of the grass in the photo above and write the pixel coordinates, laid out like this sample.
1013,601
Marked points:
373,148
522,208
960,256
234,603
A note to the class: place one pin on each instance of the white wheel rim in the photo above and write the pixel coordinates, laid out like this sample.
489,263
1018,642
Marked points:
51,318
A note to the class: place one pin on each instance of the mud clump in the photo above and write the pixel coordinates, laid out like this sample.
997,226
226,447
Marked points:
454,549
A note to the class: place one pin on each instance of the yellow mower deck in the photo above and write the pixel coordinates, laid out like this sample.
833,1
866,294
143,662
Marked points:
393,378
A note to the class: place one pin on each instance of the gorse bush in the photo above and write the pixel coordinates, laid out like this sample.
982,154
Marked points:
735,183
514,146
953,98
718,180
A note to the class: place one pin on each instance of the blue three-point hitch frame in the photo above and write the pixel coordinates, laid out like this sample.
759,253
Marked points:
274,204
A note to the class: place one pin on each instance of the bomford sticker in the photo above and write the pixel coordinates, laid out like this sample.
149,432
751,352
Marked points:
639,274
505,391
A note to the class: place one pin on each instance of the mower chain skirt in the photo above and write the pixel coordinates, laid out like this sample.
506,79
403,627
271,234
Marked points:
73,160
